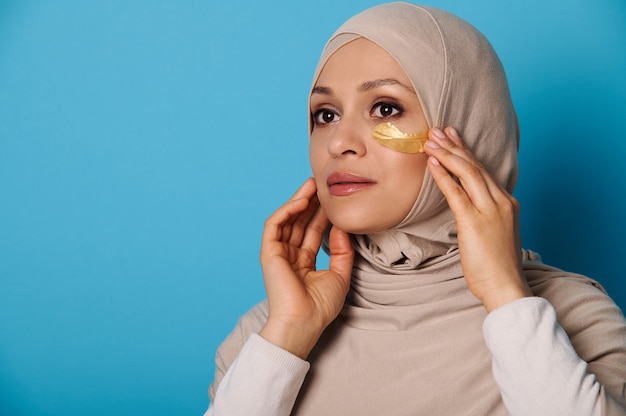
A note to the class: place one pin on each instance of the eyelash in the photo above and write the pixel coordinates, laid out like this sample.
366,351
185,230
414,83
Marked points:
394,105
397,110
316,116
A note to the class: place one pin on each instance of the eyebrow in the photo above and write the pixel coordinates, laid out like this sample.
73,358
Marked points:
370,85
366,86
322,90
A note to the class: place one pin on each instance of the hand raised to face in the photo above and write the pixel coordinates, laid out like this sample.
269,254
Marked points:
303,301
487,220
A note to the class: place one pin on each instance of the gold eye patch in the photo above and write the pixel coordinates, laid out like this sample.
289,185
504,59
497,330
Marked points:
390,136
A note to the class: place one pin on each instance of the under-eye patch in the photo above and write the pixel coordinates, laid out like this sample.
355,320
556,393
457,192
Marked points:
390,136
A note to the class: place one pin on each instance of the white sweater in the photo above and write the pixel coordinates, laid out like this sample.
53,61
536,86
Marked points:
534,364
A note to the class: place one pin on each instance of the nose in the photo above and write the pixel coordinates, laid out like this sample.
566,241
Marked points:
349,138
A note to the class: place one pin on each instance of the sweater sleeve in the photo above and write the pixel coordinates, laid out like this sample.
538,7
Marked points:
536,367
263,380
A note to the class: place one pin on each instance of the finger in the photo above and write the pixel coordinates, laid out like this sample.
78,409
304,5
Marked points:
497,191
341,254
454,135
441,143
459,161
314,231
302,221
278,226
483,194
306,191
278,221
493,185
454,193
454,169
446,142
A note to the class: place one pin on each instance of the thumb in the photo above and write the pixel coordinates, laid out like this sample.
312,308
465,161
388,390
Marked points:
341,254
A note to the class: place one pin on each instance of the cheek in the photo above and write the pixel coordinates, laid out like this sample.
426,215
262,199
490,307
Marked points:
316,156
407,166
410,173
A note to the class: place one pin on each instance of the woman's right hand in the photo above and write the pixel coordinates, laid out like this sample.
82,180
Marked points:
303,301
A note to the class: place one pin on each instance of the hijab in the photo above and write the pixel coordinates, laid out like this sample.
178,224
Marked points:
460,82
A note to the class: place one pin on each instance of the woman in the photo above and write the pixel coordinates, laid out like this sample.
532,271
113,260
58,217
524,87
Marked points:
429,306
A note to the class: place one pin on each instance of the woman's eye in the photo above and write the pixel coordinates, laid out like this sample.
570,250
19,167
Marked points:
385,110
325,116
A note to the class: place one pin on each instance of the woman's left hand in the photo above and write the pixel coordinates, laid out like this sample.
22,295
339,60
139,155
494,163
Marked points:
487,220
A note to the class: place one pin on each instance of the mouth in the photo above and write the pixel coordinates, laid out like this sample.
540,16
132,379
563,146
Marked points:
344,183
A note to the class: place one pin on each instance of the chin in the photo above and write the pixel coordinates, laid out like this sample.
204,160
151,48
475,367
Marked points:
356,224
360,215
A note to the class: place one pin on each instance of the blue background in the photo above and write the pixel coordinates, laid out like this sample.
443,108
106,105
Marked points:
143,143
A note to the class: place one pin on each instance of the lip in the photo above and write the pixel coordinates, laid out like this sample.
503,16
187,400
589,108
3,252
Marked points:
345,183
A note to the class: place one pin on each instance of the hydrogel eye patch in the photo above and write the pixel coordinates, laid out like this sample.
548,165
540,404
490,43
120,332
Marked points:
390,136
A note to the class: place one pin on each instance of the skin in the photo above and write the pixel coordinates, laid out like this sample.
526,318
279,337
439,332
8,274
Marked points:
362,86
303,301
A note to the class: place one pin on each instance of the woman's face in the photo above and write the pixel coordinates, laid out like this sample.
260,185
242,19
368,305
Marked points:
363,186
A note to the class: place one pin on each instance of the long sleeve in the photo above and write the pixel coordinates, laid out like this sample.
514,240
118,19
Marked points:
263,380
536,367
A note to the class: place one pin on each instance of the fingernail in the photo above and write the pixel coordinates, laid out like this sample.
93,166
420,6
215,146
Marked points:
438,133
434,161
454,133
432,144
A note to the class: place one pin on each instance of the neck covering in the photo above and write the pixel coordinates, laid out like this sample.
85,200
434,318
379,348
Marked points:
460,82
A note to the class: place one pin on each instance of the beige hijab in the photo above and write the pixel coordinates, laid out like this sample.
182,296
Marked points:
460,82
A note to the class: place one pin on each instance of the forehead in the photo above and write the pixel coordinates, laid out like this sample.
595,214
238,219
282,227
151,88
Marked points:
360,60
